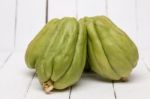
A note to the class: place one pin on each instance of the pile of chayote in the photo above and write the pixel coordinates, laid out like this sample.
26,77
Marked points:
61,49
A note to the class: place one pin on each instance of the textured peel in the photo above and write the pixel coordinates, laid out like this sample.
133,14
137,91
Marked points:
112,54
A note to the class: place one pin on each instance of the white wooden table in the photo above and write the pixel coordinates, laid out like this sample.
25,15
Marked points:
20,21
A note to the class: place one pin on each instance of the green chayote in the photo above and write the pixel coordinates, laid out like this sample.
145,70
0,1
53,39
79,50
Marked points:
65,47
58,53
111,53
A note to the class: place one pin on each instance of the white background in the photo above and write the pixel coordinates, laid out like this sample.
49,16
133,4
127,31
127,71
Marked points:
20,21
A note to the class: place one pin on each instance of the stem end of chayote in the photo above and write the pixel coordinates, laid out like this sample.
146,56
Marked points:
47,86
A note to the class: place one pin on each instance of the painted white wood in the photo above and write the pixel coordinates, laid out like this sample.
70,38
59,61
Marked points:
90,8
143,16
122,13
36,92
92,87
7,28
15,78
1,63
4,55
146,57
61,8
7,24
30,20
138,86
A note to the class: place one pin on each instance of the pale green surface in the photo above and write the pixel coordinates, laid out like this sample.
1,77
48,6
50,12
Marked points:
58,52
112,54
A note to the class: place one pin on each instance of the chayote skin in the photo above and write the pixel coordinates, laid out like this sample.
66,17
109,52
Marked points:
58,53
38,45
111,53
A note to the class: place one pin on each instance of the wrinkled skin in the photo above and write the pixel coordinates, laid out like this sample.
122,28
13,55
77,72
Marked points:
111,53
58,53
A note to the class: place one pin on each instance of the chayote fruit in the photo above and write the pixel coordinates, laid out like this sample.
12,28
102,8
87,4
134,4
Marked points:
58,53
111,53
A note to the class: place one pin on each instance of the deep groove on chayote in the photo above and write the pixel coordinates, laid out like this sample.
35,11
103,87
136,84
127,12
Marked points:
106,54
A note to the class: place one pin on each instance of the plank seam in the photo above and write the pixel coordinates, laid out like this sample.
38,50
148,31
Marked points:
115,94
29,85
46,11
70,92
6,60
137,31
14,38
15,24
145,65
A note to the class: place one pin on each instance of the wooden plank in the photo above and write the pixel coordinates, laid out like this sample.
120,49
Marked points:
91,8
15,78
1,63
92,87
7,30
30,20
4,57
61,8
7,24
122,13
138,85
146,59
143,16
